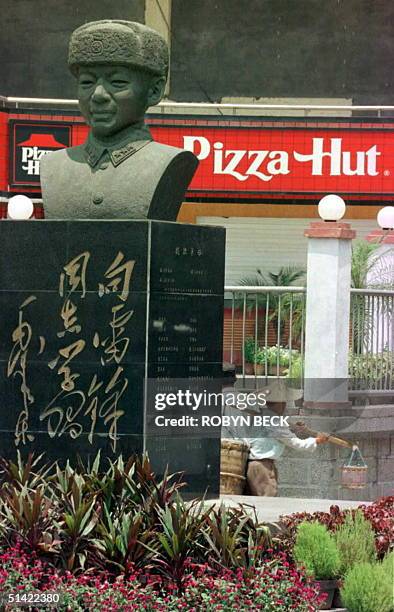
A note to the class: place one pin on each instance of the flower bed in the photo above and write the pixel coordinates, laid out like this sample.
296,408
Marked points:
275,586
118,539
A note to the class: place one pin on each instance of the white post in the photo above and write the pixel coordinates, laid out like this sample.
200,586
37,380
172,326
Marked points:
327,314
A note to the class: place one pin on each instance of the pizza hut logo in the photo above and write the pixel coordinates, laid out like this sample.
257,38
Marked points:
34,148
30,141
324,157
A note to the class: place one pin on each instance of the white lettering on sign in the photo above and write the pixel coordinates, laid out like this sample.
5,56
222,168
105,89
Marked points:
31,158
265,164
340,161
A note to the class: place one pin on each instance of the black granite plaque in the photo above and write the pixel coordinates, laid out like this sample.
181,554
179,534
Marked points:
90,311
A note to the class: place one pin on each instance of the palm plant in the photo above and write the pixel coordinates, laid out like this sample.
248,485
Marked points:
365,264
282,307
362,262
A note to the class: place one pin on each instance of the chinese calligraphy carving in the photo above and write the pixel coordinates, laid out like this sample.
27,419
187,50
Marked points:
80,401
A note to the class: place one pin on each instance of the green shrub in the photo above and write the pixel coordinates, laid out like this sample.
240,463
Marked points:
355,540
316,550
254,353
249,350
388,565
279,355
367,588
260,356
369,367
296,367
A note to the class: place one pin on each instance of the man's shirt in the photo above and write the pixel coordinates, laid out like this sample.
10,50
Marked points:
273,448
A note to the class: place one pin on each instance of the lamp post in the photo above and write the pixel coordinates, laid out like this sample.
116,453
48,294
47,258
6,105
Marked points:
328,306
331,208
20,207
385,219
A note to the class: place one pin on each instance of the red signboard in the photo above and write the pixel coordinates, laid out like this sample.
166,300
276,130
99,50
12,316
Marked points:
292,161
250,158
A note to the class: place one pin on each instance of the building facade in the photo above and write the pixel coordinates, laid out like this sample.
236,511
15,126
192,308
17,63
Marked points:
262,169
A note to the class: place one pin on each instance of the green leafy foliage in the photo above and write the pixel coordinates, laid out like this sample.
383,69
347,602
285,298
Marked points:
271,355
355,540
362,262
295,370
124,542
380,514
371,367
316,550
28,515
367,588
26,508
388,565
119,519
282,307
23,474
236,539
249,350
178,540
118,534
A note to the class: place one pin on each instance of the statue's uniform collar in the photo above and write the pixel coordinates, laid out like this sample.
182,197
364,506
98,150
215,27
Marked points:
126,143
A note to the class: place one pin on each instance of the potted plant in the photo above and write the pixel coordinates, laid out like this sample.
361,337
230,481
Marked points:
255,357
260,361
249,351
315,549
355,541
368,587
278,360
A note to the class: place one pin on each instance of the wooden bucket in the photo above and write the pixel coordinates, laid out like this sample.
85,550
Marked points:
233,458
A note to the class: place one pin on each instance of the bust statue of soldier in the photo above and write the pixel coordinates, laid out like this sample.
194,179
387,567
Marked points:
119,172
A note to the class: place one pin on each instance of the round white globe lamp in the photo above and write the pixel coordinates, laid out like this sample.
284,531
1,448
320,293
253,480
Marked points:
20,207
385,218
331,207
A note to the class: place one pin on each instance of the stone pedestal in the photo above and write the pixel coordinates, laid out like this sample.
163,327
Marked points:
89,313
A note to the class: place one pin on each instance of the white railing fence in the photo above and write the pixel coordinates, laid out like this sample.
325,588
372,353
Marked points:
264,335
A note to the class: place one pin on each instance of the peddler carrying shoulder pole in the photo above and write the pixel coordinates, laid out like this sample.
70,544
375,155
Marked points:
302,428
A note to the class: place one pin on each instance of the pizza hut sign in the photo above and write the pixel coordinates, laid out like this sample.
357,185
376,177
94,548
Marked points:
294,160
30,141
267,164
285,158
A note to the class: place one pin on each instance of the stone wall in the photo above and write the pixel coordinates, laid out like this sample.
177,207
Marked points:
34,41
219,50
266,48
318,475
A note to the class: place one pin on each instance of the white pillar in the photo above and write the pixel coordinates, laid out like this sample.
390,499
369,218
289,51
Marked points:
327,314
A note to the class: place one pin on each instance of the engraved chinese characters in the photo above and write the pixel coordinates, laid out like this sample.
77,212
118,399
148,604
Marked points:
17,367
103,396
89,313
100,399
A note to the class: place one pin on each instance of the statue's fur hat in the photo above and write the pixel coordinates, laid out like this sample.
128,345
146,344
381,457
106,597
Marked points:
117,42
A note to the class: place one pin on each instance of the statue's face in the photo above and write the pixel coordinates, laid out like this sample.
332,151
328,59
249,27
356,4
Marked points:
114,97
